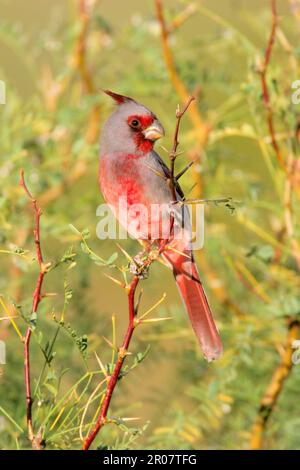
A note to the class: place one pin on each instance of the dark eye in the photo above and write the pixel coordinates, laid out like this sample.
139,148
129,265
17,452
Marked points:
135,123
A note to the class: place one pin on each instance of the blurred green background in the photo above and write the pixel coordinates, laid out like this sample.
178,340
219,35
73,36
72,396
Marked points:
50,125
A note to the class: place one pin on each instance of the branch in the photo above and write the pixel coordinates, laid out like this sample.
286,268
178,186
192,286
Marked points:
173,153
122,353
183,16
36,441
275,387
265,90
228,202
140,269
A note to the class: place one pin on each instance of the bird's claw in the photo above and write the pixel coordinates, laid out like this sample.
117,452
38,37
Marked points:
139,267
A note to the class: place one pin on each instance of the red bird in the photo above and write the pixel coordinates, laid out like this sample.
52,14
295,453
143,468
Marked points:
134,182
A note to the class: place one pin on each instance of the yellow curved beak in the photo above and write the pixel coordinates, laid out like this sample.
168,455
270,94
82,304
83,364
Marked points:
154,132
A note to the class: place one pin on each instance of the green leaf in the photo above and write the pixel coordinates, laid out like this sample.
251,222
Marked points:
113,258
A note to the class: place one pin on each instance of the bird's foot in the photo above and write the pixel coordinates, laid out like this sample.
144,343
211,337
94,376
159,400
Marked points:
139,266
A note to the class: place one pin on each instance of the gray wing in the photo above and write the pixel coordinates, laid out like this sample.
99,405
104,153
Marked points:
167,173
182,214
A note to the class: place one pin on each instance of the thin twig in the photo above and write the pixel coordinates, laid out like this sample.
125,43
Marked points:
183,16
36,441
275,387
265,90
227,201
173,153
185,169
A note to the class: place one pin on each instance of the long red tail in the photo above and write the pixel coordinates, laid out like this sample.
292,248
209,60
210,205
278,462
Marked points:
195,300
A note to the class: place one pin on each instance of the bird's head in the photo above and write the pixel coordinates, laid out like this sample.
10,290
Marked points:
132,128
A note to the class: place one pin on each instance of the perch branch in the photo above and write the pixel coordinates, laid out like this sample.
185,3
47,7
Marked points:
133,322
113,379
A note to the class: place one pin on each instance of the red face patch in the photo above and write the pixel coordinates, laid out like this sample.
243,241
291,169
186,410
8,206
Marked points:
138,124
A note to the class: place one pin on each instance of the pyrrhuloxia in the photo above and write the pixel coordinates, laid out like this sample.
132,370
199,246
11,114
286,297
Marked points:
133,173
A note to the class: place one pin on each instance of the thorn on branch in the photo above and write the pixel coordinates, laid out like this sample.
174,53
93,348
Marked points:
182,172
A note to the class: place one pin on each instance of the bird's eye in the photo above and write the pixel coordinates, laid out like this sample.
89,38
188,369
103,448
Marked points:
135,123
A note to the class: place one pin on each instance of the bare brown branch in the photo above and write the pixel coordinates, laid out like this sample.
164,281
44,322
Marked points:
173,154
122,353
264,84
